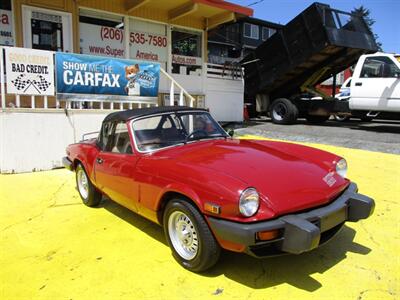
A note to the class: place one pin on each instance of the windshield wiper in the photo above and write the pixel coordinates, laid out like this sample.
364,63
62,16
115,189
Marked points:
199,138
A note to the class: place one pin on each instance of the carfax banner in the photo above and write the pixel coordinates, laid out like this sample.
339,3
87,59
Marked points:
29,71
87,74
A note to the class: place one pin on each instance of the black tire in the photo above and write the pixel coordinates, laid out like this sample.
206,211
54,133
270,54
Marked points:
316,119
92,197
207,248
283,111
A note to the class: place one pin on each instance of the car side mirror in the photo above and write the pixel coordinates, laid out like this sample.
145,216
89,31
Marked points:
231,132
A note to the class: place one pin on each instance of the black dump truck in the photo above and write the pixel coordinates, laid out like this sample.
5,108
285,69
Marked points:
280,75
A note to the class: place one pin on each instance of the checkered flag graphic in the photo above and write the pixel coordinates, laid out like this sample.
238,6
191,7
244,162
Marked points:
20,83
42,84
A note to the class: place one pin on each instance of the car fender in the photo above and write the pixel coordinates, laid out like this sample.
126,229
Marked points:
179,188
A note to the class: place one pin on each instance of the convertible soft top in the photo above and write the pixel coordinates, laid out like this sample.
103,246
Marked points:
126,115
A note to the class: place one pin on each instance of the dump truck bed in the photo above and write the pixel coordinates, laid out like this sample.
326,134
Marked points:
320,39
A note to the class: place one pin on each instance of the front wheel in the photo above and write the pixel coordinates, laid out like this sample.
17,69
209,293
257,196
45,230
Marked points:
189,237
89,195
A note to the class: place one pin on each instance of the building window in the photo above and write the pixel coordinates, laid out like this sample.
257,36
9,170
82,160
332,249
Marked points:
251,31
101,34
47,29
6,32
267,33
148,41
186,52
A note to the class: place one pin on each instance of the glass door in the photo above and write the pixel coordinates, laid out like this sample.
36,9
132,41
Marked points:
47,29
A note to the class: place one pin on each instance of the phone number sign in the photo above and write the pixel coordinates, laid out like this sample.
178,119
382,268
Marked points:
109,41
148,46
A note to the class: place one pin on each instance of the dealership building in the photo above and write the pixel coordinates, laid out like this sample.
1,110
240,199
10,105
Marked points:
172,34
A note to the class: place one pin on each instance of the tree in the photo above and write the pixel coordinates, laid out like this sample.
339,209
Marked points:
365,13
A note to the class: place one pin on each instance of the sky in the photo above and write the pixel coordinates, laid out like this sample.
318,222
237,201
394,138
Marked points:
386,14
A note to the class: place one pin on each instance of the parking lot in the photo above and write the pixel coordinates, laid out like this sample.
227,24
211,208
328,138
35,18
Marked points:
53,247
378,135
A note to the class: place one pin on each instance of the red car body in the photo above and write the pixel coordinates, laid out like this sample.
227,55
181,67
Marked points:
290,179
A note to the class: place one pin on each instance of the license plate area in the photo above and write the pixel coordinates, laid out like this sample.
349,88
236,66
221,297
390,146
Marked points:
329,221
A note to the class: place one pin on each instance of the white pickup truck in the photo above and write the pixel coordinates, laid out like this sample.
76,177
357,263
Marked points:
375,86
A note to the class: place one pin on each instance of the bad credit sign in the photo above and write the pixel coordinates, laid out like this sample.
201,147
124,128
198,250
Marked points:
29,72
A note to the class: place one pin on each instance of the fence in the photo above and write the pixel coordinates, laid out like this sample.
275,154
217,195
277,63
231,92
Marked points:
229,70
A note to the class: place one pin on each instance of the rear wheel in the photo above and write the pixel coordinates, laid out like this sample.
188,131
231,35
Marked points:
189,237
89,195
317,119
341,118
283,111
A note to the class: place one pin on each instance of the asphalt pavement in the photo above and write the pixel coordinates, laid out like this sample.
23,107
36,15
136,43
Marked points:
378,135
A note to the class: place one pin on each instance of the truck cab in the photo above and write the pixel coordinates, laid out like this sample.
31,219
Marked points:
375,84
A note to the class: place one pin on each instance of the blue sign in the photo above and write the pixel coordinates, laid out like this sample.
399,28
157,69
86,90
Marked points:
86,74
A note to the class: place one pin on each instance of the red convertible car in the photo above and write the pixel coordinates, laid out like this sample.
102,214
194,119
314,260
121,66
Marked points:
177,167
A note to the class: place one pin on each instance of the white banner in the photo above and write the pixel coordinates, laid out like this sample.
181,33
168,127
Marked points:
29,72
148,46
6,34
101,40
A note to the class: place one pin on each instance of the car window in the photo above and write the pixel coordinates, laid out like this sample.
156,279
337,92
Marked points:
117,140
155,122
166,130
379,67
105,134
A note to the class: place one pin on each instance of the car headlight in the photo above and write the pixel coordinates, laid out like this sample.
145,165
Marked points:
249,202
341,167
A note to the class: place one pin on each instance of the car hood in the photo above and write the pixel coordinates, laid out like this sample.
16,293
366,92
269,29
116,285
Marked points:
289,177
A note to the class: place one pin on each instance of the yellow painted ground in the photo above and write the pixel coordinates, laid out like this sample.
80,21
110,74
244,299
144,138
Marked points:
53,247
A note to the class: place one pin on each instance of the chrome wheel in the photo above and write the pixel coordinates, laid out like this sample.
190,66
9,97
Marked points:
83,183
183,235
279,111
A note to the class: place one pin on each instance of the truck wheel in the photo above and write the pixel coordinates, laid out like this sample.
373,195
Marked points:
189,237
283,111
341,118
317,119
89,195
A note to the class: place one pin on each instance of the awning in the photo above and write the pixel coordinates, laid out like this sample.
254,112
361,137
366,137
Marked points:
211,12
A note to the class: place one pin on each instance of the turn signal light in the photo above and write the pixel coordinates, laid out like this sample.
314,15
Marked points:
267,235
213,208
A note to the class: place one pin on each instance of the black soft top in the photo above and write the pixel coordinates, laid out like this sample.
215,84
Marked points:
125,115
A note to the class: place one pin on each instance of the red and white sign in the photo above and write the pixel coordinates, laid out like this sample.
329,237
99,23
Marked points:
6,34
148,46
109,41
101,40
186,60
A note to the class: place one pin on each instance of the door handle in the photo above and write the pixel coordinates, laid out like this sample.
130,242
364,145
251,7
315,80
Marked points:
99,161
358,83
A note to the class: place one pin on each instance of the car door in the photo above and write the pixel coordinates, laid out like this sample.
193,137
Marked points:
115,165
377,87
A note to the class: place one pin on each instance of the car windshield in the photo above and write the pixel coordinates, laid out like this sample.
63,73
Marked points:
165,130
